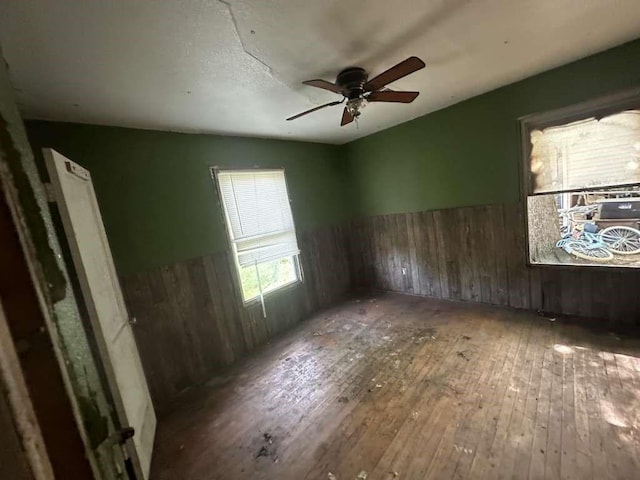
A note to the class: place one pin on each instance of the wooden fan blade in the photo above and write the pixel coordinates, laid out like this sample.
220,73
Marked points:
346,117
331,104
319,83
399,97
402,69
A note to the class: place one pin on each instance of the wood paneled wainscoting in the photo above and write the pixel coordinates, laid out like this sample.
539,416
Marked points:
191,322
478,254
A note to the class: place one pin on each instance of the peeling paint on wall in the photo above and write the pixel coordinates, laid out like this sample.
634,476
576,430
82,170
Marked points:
32,214
25,194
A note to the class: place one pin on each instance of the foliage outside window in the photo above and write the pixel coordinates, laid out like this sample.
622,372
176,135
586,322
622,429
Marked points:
268,276
582,184
261,229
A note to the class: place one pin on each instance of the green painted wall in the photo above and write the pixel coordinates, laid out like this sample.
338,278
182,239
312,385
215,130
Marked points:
159,204
469,154
157,199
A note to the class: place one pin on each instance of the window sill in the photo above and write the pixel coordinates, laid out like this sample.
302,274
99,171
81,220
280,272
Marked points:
579,266
271,293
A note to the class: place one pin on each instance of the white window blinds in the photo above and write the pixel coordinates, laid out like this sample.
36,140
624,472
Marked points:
258,214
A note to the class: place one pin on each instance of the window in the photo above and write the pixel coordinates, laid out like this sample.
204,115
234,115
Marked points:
582,183
261,229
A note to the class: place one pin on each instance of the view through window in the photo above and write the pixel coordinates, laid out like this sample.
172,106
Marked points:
261,229
583,189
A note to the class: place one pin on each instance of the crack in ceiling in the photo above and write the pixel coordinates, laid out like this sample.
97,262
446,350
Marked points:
235,66
244,47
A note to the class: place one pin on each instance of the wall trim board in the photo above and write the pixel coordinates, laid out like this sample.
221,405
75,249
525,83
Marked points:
471,254
191,321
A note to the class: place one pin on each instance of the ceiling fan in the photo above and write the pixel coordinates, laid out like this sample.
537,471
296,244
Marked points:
357,90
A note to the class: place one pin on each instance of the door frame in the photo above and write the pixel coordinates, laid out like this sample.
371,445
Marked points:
45,413
24,418
82,392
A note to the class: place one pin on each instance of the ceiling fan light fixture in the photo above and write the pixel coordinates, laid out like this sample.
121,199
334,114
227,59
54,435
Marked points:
354,105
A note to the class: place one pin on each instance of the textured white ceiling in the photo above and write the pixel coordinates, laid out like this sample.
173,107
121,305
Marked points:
235,67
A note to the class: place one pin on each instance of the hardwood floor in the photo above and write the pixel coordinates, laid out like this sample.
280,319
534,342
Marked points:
410,388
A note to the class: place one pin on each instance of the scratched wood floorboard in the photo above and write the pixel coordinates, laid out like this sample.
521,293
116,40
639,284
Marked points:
421,387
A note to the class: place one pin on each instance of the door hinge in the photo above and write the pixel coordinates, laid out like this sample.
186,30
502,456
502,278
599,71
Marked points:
124,434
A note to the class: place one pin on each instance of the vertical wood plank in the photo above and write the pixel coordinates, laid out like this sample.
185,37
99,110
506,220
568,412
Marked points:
518,275
500,295
438,227
226,332
431,257
452,252
413,266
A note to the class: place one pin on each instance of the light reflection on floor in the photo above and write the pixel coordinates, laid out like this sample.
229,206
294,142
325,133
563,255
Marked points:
622,383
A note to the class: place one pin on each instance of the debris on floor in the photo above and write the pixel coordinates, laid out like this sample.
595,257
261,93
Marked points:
393,474
218,381
552,319
362,475
463,355
466,337
343,399
459,449
268,449
331,476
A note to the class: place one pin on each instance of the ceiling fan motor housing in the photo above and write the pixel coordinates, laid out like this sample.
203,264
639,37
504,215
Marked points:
352,81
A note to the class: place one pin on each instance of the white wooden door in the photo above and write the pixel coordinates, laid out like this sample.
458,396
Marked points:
76,199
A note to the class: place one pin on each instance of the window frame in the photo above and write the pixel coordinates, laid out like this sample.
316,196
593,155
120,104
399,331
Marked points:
214,170
597,107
